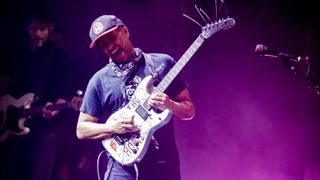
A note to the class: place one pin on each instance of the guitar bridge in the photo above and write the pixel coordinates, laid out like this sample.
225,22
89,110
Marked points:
122,138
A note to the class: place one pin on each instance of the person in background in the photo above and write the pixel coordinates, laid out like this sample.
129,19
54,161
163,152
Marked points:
58,38
40,68
112,87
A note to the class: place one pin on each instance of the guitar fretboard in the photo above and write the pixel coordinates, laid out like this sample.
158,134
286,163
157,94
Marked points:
166,81
23,113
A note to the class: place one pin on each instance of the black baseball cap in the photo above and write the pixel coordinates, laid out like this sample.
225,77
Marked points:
102,26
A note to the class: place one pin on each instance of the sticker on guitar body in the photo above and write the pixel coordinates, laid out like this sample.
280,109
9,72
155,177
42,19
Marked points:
138,98
129,149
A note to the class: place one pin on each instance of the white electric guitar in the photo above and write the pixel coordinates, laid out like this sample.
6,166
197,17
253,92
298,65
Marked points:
130,148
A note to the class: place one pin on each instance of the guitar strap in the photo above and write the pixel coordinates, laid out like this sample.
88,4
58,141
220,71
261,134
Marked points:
148,60
150,65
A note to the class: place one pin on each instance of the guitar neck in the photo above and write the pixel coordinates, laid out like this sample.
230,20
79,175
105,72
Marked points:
166,81
23,113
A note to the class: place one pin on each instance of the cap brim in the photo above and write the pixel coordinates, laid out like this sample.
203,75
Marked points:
93,43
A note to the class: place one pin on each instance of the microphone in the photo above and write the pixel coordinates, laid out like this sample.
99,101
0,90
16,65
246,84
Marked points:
265,51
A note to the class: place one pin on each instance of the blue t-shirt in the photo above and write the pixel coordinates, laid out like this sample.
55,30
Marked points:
106,93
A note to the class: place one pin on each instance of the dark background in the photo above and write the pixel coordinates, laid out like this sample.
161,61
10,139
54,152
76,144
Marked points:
256,118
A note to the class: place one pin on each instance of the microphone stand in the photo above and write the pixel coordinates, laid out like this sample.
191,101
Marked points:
310,81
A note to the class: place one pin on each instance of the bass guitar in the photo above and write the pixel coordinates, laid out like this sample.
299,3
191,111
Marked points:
14,113
130,148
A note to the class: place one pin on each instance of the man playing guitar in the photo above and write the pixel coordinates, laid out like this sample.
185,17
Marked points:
114,90
41,69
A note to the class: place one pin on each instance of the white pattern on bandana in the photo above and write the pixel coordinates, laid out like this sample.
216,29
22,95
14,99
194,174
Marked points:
122,70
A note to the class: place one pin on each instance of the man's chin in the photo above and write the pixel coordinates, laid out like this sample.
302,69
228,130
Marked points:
120,58
38,42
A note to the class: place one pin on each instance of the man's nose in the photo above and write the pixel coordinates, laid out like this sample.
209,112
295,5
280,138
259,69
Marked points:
38,32
109,46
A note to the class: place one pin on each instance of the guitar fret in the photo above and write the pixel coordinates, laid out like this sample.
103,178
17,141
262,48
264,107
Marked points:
191,52
174,71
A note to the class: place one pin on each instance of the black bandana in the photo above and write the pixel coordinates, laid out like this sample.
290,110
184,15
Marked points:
123,69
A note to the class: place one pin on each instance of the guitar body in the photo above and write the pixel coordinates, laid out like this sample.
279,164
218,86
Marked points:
130,148
9,118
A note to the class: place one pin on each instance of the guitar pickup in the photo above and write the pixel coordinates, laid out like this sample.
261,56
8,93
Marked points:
142,112
119,140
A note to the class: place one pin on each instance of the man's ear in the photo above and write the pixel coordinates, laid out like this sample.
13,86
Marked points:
126,31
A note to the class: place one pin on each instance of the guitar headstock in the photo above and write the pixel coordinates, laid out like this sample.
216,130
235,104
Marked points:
212,28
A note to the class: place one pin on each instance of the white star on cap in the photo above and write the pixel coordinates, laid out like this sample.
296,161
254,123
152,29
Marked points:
97,27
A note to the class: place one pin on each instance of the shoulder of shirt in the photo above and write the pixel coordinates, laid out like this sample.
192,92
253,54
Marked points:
102,71
161,57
